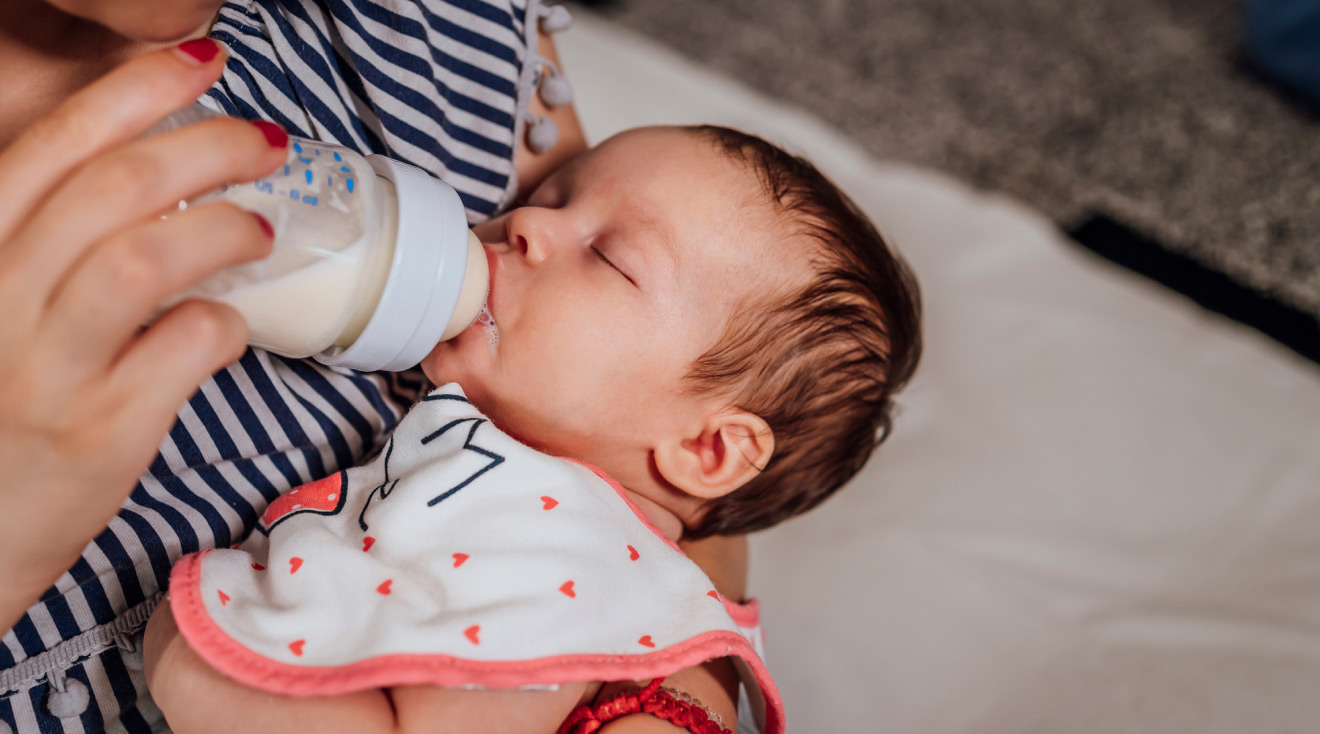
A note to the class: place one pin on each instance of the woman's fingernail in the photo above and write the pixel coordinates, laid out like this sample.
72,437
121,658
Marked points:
199,50
264,224
275,135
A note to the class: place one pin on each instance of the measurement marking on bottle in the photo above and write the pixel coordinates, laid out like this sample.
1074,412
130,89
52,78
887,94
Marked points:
350,186
308,173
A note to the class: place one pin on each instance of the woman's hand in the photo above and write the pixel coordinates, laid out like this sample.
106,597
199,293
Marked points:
86,395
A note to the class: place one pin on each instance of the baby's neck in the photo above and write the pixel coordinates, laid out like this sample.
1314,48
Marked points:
662,518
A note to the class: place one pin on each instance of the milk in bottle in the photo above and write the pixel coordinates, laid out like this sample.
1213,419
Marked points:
373,262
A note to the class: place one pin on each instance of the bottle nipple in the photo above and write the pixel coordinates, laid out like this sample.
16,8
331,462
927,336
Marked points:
472,296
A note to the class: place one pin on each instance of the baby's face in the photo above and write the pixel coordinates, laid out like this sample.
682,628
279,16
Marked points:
621,270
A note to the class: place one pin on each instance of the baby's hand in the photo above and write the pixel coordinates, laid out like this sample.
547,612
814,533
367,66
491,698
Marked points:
86,395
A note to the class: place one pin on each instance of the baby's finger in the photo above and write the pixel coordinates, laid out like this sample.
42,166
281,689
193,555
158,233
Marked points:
138,181
164,366
112,110
122,282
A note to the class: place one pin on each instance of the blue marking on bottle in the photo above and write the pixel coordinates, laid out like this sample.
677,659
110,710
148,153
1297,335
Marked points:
286,170
309,200
293,194
345,169
337,157
309,175
304,160
317,151
350,186
297,147
330,181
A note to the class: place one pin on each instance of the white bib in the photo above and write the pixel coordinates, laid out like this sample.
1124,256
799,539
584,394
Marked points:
457,557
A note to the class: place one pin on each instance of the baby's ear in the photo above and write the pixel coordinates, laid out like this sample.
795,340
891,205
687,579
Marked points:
730,448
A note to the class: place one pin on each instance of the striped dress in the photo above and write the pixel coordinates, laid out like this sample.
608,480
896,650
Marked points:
442,84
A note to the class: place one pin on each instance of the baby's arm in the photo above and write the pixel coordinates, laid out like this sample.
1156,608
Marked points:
196,698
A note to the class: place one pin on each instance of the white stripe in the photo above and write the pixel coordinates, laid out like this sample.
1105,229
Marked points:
45,624
81,610
25,718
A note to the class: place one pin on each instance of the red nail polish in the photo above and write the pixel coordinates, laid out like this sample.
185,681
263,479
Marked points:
200,50
264,224
275,135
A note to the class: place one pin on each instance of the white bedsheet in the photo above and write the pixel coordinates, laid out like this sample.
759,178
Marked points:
1100,509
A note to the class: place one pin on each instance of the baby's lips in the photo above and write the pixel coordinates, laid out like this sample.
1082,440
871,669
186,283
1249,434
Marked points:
493,264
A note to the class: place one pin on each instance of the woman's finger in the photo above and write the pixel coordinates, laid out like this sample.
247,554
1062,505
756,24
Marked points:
115,109
164,366
137,181
121,282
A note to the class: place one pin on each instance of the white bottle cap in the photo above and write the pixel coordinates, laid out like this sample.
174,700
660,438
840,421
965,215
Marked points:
431,267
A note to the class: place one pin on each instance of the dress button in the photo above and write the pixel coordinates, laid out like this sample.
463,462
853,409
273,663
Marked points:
555,18
70,702
542,134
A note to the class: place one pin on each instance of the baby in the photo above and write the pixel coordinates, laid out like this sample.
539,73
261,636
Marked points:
690,333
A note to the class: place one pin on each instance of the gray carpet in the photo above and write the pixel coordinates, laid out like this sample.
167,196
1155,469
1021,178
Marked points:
1139,111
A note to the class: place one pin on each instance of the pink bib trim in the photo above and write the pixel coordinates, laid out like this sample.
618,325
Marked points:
234,660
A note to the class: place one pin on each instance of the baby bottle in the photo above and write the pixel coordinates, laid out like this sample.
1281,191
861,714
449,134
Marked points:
372,265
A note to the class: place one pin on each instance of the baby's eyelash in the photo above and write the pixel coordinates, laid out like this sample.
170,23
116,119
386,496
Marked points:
606,260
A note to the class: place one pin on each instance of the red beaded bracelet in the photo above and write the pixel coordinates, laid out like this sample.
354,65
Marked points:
649,700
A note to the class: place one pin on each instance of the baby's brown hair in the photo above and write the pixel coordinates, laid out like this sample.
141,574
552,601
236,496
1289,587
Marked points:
822,366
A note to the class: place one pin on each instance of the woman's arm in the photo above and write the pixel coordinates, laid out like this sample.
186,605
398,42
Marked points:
86,395
196,699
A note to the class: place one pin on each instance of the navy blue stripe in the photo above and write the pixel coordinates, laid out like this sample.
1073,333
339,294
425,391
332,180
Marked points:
475,203
122,563
345,72
6,657
425,105
279,408
485,44
91,716
314,60
46,723
244,70
92,591
318,381
62,615
475,74
418,65
176,521
229,451
126,693
260,438
369,389
28,637
156,552
343,454
173,484
397,394
482,10
406,131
